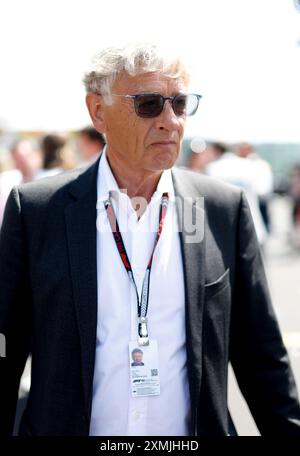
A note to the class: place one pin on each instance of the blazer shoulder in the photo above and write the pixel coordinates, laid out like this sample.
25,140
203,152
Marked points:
58,188
215,191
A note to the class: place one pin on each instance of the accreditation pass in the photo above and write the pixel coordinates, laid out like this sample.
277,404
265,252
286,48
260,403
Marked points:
144,370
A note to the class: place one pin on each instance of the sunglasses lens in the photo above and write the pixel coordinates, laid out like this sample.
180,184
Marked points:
186,104
149,105
180,104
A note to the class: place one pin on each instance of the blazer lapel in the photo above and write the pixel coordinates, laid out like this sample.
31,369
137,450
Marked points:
190,206
80,219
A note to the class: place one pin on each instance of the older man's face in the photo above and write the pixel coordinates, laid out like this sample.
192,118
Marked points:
151,144
137,357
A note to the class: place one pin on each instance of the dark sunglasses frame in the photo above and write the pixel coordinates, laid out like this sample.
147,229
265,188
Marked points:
160,103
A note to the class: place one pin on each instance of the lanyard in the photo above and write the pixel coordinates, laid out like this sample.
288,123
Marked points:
142,304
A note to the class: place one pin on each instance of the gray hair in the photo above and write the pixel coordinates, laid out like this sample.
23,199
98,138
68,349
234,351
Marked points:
134,59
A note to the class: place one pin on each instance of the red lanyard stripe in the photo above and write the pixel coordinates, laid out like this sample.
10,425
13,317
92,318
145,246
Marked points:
117,235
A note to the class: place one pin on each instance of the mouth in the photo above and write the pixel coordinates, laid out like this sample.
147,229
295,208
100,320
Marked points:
165,143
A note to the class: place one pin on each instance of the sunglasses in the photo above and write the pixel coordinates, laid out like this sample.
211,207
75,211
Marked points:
149,105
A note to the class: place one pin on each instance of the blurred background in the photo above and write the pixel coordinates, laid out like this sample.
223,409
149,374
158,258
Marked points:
245,58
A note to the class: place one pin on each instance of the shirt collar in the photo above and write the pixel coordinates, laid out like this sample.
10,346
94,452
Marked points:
165,185
107,183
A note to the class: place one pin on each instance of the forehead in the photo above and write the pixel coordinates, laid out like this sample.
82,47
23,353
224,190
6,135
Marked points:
150,82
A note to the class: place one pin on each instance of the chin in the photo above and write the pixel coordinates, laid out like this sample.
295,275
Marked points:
164,160
161,165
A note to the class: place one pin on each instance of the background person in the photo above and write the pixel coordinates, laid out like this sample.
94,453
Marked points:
56,156
26,162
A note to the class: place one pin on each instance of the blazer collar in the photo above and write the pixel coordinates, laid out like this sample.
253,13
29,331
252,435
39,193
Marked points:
86,182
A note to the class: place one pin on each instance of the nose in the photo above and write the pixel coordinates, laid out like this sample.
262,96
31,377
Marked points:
168,120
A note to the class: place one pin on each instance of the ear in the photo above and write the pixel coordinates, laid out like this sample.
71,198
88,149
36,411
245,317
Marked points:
95,105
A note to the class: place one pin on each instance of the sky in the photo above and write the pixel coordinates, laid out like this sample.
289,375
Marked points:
245,57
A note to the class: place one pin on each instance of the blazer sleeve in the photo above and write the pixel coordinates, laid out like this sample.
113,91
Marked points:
15,315
258,356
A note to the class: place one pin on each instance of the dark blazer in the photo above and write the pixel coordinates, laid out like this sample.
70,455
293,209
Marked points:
48,305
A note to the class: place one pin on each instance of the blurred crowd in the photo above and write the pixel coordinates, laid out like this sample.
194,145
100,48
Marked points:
30,158
27,159
241,165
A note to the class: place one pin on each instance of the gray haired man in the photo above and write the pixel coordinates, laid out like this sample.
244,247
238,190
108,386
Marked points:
77,252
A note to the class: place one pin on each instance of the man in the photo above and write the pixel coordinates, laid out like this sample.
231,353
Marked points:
137,357
77,254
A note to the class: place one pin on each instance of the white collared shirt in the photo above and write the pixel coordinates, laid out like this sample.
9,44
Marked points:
114,410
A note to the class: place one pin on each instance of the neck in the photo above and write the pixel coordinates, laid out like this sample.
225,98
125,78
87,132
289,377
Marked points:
137,182
27,176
